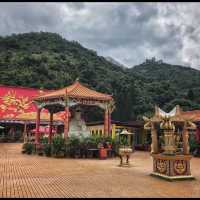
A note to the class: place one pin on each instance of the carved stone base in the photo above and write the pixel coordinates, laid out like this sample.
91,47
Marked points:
172,167
171,178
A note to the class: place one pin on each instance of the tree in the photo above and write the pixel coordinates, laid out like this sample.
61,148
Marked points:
190,95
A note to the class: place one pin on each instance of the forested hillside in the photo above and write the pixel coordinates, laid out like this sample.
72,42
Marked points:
46,60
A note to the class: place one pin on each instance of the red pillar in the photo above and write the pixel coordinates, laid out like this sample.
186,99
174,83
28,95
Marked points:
66,125
107,123
25,132
37,136
50,126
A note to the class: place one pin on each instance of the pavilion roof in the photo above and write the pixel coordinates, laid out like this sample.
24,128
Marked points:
76,90
194,114
176,114
32,116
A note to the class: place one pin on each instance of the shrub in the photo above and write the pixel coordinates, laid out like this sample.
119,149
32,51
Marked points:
92,142
24,148
58,145
44,140
109,139
73,146
47,149
40,150
27,148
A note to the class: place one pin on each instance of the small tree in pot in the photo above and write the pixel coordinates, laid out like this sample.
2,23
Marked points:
58,146
27,148
46,147
74,146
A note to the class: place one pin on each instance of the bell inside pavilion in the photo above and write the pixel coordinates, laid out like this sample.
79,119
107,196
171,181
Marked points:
72,100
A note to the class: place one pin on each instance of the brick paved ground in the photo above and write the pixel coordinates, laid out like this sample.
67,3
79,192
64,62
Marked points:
34,176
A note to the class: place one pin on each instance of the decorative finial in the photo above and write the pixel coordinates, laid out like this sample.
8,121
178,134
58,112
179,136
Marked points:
178,110
156,110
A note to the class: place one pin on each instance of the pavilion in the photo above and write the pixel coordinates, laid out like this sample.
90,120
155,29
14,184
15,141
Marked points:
66,99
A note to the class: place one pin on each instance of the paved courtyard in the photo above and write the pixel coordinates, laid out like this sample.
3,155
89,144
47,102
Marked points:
34,176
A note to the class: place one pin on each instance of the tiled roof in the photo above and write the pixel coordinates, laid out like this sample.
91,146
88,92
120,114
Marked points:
119,123
76,90
32,116
194,114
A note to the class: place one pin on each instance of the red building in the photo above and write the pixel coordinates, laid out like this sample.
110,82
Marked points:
18,112
195,116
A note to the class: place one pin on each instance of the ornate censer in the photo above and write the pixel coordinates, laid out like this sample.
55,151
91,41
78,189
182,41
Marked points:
125,149
172,161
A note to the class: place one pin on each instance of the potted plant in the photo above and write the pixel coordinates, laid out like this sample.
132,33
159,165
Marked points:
40,150
58,146
83,149
27,148
24,148
74,146
47,150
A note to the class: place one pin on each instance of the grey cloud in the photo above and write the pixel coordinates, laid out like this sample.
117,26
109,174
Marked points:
129,32
76,6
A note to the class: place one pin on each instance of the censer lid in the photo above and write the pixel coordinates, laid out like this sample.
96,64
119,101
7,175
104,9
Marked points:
125,132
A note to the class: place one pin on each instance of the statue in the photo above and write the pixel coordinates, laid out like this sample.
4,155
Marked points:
77,126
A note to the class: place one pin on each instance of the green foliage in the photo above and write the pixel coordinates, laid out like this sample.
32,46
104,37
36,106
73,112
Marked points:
49,61
40,150
44,140
73,141
47,149
28,148
58,145
77,145
92,141
73,146
190,95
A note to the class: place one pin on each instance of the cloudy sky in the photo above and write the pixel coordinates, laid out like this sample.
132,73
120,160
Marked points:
127,32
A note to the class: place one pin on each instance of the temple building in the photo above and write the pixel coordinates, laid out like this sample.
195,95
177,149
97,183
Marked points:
194,114
136,127
18,113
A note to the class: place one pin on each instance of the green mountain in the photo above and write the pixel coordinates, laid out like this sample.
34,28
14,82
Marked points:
46,60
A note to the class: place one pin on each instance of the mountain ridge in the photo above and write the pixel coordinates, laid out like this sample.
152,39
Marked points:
46,60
